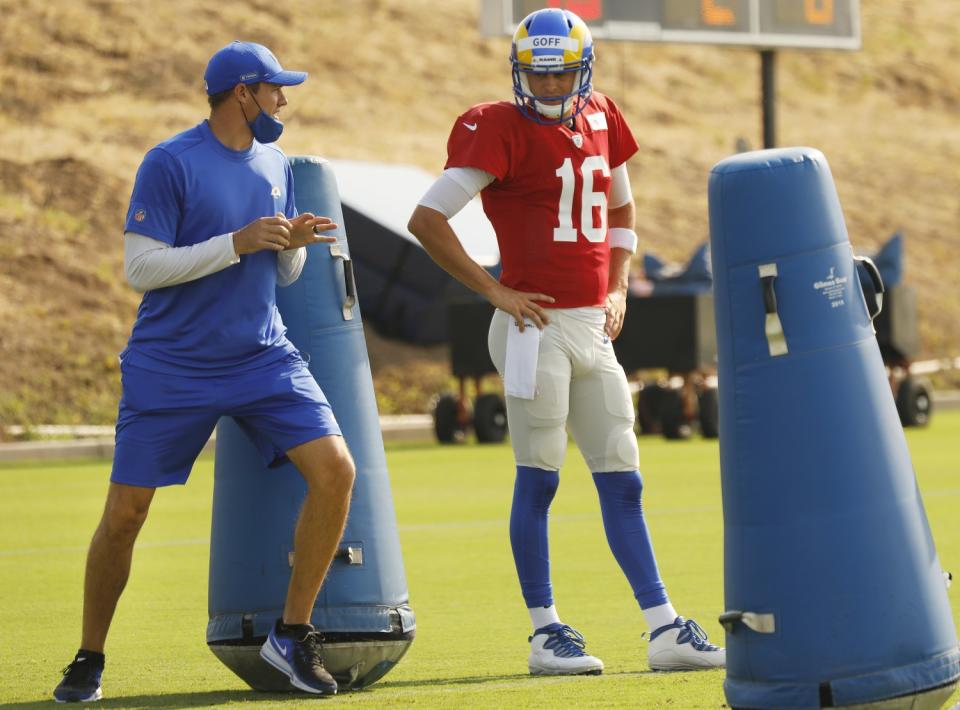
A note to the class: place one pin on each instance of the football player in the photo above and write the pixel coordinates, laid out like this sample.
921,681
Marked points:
550,168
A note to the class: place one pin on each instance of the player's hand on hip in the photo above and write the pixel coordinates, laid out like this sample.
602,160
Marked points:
308,228
266,233
615,306
522,305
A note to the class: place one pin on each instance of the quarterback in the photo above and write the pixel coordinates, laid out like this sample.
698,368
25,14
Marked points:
550,168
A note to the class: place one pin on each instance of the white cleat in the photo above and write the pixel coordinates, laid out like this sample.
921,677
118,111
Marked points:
556,649
683,646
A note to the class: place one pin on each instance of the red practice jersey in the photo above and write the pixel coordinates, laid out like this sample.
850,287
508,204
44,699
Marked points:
548,202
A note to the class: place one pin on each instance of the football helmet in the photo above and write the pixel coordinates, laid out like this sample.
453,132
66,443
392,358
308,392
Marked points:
552,41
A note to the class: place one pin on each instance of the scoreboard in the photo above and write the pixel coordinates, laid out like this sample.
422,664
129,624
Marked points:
768,24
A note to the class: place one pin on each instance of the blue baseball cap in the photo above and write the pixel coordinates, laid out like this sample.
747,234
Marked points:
246,63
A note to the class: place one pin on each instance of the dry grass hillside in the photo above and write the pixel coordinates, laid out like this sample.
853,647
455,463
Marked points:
89,85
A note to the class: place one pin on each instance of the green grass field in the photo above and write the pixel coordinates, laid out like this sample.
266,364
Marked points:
452,506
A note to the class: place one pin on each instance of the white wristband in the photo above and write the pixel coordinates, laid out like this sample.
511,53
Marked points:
623,238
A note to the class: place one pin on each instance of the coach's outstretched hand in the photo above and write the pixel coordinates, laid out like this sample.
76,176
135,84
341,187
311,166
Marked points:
278,233
308,229
522,305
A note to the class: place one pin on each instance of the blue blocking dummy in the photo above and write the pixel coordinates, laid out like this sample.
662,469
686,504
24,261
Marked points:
362,609
834,592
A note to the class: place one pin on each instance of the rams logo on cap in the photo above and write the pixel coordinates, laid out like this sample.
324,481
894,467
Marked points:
275,192
140,215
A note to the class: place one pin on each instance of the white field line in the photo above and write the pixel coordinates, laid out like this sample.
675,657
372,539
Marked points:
940,492
29,551
431,527
424,527
572,517
443,686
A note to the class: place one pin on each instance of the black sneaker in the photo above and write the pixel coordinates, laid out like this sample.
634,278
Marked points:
81,679
297,652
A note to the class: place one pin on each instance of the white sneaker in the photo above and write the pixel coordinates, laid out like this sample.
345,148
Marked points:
683,646
556,649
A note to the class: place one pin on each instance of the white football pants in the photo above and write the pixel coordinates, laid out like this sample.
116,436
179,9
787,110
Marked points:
580,383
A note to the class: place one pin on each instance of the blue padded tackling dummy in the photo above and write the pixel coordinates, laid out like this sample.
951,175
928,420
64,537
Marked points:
362,608
834,591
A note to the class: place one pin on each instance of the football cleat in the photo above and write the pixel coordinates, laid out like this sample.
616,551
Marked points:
296,651
81,681
552,41
683,646
556,649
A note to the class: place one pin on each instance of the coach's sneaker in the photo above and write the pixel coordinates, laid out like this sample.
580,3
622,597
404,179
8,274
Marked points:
683,646
296,651
81,679
556,649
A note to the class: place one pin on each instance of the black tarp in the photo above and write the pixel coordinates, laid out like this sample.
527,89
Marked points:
403,293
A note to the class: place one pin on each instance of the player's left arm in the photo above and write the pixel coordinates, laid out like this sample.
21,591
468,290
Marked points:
623,245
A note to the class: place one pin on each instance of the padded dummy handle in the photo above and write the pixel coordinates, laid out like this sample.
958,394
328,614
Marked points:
872,285
769,295
761,623
349,284
351,553
776,340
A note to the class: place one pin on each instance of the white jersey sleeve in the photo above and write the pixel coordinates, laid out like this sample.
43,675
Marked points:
451,192
620,192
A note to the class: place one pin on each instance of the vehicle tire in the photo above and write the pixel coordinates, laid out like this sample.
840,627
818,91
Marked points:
673,422
446,424
649,404
490,418
708,406
914,402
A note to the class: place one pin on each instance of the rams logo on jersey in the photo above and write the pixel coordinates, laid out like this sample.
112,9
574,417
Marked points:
275,192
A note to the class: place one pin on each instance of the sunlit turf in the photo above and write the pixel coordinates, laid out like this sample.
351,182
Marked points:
452,507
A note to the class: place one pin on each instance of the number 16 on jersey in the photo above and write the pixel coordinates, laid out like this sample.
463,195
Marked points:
589,199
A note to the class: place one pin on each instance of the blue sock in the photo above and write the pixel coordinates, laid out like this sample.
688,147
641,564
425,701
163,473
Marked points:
532,494
627,534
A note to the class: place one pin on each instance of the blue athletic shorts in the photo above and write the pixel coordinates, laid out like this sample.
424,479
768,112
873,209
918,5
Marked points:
165,420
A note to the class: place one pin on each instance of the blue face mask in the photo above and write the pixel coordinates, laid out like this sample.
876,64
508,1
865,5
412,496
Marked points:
265,128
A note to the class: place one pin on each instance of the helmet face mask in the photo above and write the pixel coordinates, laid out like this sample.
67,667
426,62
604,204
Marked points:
552,41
